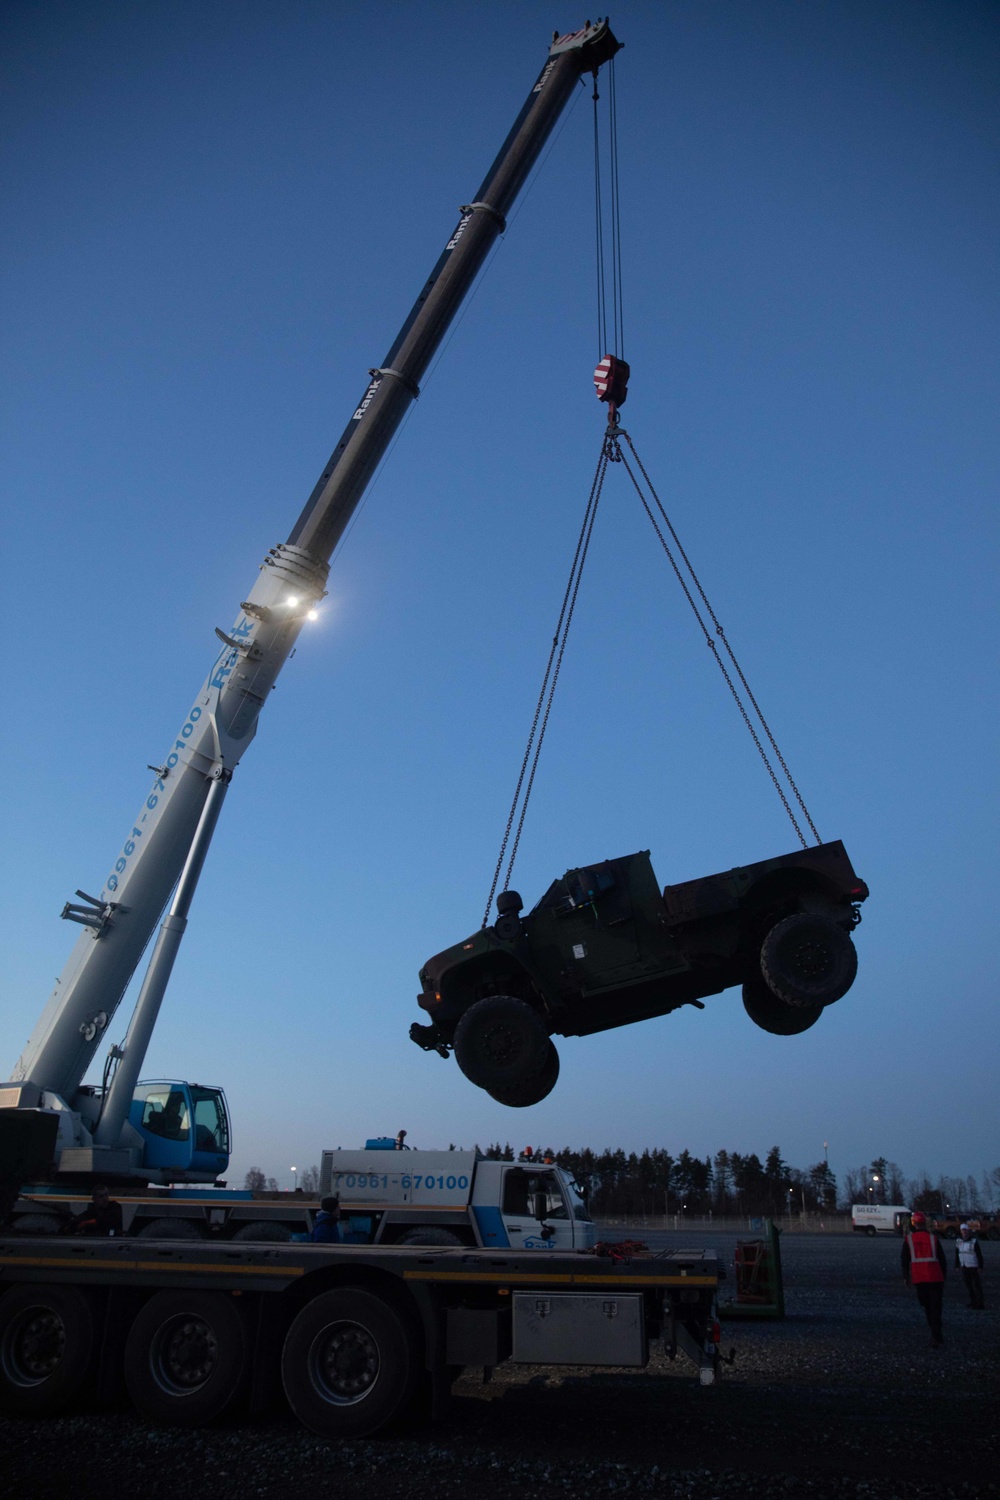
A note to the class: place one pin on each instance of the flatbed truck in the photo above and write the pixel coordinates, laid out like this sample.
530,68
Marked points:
355,1337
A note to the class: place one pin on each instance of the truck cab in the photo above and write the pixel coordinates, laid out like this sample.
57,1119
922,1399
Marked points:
184,1129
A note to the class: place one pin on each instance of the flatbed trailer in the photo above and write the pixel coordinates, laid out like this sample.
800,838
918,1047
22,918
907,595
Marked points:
354,1336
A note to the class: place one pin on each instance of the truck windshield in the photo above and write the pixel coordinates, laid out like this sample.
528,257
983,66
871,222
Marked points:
578,1203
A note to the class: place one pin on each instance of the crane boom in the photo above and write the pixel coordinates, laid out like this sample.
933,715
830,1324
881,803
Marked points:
164,838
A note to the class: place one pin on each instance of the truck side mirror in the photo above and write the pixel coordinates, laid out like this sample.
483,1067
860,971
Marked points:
540,1207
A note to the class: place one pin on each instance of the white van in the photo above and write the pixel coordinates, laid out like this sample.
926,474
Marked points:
880,1218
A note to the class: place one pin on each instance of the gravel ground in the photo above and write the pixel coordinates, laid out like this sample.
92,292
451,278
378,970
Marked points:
844,1398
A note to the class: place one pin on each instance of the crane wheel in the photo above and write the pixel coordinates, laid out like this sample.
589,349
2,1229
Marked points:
501,1042
47,1348
187,1358
170,1229
807,960
350,1364
429,1235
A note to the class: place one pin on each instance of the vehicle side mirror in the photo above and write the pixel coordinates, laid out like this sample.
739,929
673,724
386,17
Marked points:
540,1206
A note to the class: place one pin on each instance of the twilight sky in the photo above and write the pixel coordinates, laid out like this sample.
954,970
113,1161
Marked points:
217,216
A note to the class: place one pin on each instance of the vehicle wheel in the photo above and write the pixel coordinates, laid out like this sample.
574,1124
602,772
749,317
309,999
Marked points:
170,1229
808,960
501,1041
38,1224
264,1233
993,1234
951,1233
47,1344
870,1231
429,1236
773,1015
187,1358
350,1364
519,1096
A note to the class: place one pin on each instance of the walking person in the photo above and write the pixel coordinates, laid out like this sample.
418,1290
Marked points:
924,1267
969,1260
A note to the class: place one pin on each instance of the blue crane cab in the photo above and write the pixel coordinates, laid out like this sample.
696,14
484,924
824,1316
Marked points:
184,1128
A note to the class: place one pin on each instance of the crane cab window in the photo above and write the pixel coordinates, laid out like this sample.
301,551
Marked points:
166,1114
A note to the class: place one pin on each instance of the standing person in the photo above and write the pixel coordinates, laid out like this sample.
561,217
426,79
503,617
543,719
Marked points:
969,1260
924,1266
102,1215
326,1229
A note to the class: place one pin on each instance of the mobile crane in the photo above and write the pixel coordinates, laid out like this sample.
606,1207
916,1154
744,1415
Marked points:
53,1123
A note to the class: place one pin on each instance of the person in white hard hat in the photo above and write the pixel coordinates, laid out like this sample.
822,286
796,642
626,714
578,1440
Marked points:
969,1260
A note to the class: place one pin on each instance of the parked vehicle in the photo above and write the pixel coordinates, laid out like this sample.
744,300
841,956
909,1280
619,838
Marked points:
455,1198
986,1226
880,1218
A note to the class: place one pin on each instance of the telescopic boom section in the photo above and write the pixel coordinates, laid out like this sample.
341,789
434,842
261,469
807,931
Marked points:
223,719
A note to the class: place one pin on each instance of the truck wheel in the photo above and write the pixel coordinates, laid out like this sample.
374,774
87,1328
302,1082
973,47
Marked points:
264,1232
519,1096
350,1364
501,1041
187,1358
38,1224
870,1231
47,1345
773,1015
808,960
170,1229
429,1236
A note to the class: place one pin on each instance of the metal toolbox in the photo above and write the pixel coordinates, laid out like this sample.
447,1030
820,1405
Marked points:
566,1328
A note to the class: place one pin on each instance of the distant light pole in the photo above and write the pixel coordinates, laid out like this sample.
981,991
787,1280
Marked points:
826,1155
875,1181
293,1171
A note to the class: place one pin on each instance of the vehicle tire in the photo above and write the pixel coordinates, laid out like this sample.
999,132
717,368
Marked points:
520,1096
187,1358
501,1041
264,1233
47,1347
808,960
993,1234
429,1236
951,1233
38,1224
170,1229
870,1231
350,1364
773,1015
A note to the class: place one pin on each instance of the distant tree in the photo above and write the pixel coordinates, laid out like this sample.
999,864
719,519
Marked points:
272,1184
877,1174
254,1181
309,1180
824,1186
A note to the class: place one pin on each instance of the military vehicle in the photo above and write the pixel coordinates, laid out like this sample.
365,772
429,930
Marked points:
605,947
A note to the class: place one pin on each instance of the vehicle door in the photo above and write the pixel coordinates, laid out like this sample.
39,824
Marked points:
521,1189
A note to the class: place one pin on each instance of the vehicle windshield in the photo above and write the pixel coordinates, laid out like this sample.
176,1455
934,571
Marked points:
578,1203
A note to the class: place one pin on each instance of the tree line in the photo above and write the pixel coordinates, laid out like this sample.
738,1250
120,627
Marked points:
737,1184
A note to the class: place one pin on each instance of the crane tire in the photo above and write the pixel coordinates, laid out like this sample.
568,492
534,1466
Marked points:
773,1015
501,1041
429,1235
534,1090
170,1229
350,1363
187,1358
808,960
264,1232
48,1344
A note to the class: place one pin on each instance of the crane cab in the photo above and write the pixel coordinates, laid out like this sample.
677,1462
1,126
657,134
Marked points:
184,1128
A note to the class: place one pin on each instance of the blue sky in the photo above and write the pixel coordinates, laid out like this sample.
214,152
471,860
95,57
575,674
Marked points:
217,217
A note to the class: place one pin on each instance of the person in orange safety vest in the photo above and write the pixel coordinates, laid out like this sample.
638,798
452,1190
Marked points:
924,1267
